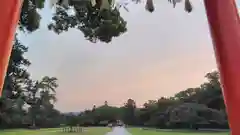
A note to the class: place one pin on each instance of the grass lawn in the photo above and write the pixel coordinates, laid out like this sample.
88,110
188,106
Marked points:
87,131
137,131
100,131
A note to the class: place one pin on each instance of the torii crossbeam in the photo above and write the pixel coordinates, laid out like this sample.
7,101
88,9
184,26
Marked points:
225,30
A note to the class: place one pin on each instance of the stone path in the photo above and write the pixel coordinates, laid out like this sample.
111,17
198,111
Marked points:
119,131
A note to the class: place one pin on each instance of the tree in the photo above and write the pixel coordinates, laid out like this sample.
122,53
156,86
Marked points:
163,103
212,92
184,95
30,18
12,100
33,100
94,21
48,92
20,90
49,84
192,115
43,103
208,93
106,103
129,113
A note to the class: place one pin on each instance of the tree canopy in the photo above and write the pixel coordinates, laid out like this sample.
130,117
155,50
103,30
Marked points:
26,101
98,22
193,108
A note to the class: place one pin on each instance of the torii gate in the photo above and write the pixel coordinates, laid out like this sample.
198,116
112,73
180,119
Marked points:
225,30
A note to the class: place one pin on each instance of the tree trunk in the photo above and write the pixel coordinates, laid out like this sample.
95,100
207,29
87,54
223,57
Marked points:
34,123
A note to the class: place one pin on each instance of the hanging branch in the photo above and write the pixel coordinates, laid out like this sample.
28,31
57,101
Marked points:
98,20
108,4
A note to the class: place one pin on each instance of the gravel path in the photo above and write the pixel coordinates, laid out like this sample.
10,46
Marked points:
119,131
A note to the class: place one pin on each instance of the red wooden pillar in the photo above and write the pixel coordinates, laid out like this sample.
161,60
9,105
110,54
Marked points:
224,26
9,13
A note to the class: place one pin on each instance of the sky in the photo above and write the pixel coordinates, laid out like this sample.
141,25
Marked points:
161,54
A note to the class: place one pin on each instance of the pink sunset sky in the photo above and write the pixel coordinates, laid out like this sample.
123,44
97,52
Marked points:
162,53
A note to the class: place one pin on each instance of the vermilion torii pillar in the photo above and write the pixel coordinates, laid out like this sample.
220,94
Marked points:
225,30
224,26
9,13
